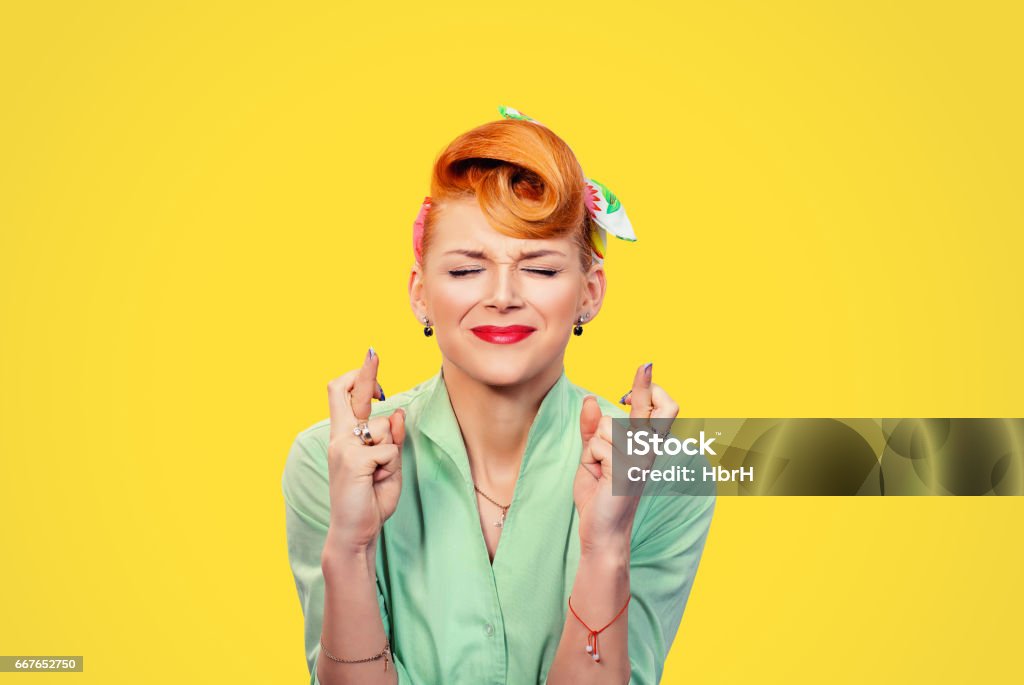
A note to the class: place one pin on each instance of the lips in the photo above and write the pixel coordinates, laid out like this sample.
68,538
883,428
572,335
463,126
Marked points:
503,335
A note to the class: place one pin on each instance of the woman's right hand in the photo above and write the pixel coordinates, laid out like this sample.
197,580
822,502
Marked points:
365,480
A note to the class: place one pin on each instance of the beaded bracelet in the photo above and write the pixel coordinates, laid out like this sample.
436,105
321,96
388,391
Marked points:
592,634
383,653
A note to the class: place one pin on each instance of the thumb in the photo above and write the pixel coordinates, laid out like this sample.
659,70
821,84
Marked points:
397,420
590,416
385,469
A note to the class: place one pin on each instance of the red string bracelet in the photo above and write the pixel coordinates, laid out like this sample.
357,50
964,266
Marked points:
592,636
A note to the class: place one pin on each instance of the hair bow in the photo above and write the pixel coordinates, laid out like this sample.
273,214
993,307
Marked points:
606,210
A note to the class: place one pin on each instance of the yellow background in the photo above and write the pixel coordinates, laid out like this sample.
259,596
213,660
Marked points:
198,199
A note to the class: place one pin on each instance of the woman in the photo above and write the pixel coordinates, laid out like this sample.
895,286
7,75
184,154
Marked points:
465,531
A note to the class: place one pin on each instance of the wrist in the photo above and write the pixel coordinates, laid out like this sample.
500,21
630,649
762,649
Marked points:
606,567
601,587
612,553
606,558
340,553
605,564
350,567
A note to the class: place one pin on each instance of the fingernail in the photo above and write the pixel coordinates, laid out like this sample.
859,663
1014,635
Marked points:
648,370
381,391
372,353
623,399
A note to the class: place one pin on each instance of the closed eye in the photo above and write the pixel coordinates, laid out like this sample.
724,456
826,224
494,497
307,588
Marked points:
542,272
459,273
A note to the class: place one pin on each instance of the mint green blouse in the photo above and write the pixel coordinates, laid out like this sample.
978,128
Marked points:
451,615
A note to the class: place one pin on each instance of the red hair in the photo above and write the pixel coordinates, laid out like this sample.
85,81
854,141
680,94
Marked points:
526,180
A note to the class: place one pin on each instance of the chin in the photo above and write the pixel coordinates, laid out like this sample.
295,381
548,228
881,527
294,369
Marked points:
501,370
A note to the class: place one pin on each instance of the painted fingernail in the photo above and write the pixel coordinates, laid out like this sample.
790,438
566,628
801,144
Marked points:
371,353
625,397
649,370
381,391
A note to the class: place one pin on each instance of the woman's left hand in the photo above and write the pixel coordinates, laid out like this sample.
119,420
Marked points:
606,521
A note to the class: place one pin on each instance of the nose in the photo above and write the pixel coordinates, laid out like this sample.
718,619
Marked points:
504,294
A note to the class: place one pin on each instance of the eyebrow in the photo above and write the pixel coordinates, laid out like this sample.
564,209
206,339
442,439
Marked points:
480,254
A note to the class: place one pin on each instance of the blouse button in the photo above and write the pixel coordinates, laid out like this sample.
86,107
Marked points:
489,629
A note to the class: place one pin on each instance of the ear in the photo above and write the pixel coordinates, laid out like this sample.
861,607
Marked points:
594,286
419,306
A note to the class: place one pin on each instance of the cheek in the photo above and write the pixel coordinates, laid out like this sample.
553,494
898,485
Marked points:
555,299
452,298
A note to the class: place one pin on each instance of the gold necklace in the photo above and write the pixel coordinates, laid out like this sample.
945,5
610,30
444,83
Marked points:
500,523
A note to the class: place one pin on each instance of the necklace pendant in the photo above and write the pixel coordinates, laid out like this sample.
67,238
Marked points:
500,523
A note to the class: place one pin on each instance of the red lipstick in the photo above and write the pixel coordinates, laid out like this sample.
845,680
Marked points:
503,335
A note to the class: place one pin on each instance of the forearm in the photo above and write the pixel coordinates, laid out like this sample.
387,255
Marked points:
599,592
352,626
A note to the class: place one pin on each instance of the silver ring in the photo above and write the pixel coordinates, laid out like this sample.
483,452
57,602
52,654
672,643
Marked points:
362,431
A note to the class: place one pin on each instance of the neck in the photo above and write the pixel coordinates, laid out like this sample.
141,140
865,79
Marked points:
495,421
